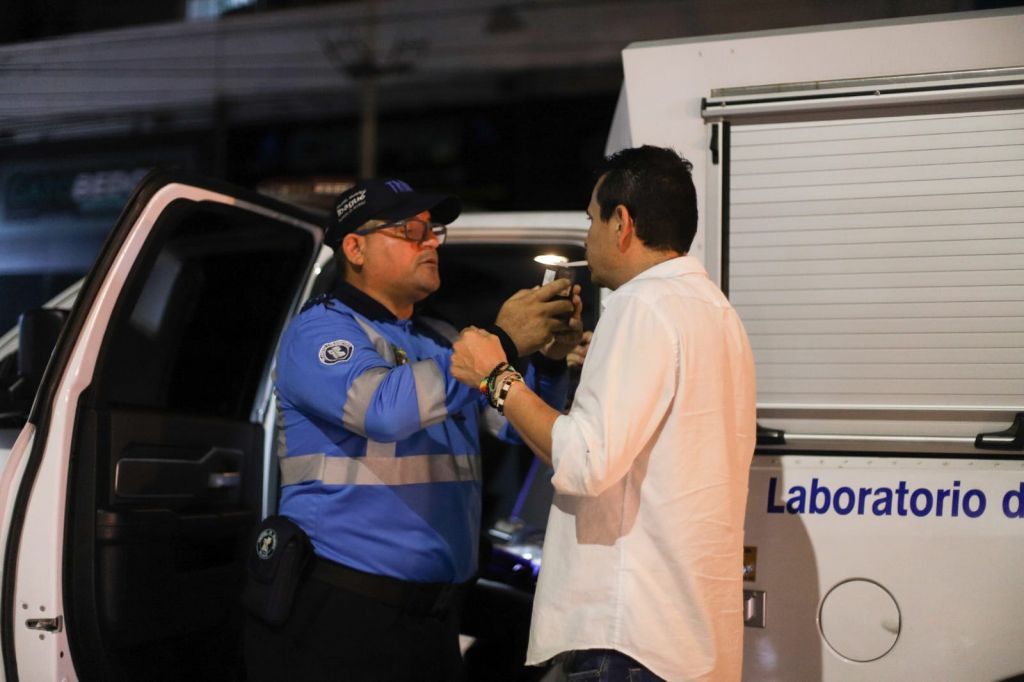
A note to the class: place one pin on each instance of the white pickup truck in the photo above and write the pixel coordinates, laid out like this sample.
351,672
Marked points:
862,203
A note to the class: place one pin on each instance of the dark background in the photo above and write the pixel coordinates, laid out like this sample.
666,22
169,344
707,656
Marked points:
506,103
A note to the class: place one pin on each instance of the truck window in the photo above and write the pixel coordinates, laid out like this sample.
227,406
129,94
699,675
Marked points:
196,334
477,278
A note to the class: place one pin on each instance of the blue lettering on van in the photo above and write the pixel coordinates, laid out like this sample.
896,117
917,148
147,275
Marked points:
1013,503
901,500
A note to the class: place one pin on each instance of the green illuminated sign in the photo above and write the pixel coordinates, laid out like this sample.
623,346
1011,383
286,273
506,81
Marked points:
31,194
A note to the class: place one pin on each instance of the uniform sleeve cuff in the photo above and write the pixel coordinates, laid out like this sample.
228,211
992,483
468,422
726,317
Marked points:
548,367
507,345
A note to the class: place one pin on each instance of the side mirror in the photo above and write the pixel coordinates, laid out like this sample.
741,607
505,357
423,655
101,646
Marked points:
38,331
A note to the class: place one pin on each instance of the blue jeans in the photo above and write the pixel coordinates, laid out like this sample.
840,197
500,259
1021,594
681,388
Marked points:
605,665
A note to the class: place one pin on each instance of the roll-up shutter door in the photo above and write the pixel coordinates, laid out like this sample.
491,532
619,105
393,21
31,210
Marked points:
879,262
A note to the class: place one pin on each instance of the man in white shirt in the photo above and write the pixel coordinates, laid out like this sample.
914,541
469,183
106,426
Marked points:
642,569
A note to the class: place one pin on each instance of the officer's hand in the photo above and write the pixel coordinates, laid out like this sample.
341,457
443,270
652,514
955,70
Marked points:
578,354
532,316
564,342
476,353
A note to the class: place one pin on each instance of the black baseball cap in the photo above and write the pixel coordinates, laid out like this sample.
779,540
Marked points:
379,199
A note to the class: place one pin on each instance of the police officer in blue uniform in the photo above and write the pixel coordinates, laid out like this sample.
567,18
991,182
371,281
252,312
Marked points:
381,467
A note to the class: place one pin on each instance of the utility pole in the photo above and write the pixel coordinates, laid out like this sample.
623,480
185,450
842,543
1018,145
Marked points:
367,71
368,97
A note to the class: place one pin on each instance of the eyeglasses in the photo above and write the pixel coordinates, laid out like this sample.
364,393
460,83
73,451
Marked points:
413,230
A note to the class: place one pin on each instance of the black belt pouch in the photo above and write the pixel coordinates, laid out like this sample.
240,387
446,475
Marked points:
277,561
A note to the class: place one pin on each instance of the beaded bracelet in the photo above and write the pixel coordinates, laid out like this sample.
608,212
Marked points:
487,384
495,386
506,386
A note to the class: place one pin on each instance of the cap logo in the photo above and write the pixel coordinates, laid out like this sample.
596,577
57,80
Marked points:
398,186
345,208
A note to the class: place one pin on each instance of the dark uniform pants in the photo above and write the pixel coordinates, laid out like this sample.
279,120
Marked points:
335,634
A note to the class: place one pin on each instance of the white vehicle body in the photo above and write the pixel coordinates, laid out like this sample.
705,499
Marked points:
149,450
115,510
862,198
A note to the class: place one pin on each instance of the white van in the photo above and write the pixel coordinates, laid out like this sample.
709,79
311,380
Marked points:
862,198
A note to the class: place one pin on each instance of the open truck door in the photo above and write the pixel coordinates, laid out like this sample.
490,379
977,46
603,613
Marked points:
127,497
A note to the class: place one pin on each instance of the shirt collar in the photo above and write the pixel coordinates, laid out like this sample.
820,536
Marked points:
673,267
362,303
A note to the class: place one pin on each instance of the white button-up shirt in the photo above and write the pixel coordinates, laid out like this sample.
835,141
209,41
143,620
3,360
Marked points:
644,545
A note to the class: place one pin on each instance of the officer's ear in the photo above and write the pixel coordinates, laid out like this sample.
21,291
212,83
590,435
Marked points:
353,248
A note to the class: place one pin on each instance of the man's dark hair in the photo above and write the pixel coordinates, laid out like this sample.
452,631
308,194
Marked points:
655,185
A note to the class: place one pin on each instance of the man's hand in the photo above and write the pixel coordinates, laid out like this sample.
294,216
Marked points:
564,342
532,316
578,354
476,353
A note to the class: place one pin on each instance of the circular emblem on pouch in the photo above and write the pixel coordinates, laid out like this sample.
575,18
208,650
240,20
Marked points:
266,543
335,352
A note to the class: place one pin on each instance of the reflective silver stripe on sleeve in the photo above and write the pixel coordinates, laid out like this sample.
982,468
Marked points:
378,449
357,401
440,327
380,470
281,445
430,392
280,442
380,344
492,422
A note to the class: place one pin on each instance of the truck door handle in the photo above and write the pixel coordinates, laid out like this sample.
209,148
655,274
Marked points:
225,479
149,477
768,436
1010,439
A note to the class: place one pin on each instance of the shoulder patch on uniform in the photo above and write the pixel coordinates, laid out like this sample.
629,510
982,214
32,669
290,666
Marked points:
336,351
